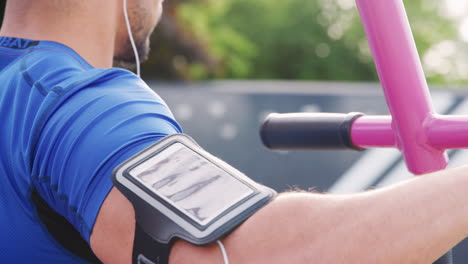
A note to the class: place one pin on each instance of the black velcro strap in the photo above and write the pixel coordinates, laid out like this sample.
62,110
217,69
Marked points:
146,250
62,230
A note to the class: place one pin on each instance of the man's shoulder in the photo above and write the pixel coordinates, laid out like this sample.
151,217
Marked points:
63,69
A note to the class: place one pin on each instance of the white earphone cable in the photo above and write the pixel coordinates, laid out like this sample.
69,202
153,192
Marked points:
223,251
130,36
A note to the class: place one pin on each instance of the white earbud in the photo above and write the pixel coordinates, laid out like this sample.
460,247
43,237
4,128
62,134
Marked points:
223,251
130,36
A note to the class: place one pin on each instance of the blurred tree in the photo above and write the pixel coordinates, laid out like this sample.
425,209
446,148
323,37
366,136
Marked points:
177,49
291,39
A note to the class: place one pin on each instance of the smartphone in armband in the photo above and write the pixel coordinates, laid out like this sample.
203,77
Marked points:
179,190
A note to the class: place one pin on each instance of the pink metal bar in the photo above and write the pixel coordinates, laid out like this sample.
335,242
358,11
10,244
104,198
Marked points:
403,81
448,132
372,132
443,132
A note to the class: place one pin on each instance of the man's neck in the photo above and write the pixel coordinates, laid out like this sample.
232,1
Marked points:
89,28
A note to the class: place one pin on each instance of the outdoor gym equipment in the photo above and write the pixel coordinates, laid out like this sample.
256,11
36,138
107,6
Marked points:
422,135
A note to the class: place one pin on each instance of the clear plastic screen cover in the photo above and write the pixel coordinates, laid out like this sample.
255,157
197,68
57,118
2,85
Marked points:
189,182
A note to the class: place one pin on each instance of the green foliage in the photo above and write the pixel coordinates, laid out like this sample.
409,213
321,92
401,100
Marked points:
233,51
296,39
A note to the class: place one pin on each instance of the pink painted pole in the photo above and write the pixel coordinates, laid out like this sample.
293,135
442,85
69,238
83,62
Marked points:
373,132
448,132
442,132
403,81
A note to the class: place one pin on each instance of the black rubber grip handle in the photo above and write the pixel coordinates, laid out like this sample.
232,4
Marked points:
304,131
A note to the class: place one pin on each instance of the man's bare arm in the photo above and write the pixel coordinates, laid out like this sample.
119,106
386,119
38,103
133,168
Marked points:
412,222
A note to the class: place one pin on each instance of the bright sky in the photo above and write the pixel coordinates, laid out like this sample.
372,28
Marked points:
446,57
464,30
458,10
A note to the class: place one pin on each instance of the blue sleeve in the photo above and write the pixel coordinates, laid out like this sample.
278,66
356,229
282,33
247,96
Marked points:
94,129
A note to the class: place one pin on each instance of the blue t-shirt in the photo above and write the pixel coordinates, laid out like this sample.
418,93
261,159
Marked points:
64,126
